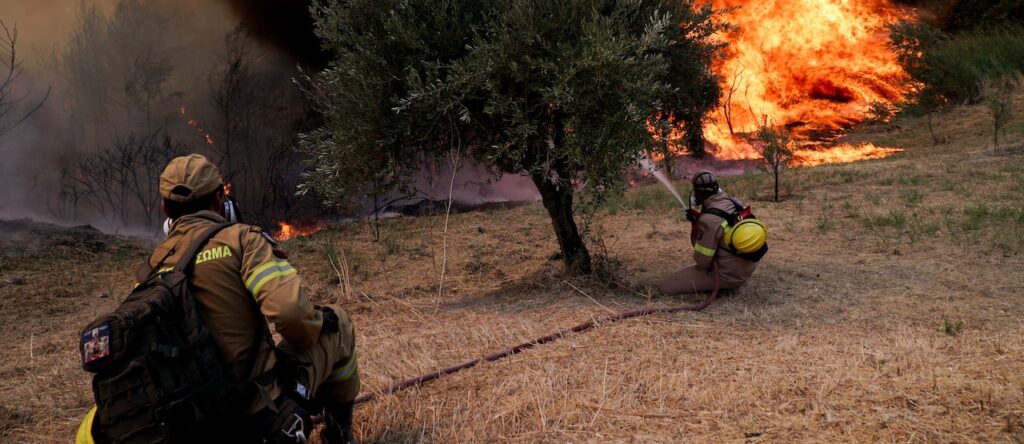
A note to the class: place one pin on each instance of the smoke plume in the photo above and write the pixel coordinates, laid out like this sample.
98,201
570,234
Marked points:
152,75
284,24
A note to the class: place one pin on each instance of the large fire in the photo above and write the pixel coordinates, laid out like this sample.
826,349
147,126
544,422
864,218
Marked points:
814,66
841,153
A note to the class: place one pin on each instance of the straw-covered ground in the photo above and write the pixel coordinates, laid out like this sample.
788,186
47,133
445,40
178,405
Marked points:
889,309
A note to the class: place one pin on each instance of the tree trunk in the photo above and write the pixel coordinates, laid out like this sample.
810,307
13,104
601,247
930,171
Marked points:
558,201
931,130
995,135
694,136
775,170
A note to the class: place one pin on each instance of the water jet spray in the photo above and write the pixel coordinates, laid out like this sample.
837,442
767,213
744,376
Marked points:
662,178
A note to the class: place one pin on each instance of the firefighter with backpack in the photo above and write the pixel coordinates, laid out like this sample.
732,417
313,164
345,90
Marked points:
189,356
723,230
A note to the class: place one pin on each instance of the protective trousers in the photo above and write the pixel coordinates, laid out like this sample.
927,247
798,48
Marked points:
329,369
688,280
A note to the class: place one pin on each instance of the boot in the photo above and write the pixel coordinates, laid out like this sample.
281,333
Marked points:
338,429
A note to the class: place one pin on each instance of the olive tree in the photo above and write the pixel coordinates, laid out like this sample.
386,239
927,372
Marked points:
565,92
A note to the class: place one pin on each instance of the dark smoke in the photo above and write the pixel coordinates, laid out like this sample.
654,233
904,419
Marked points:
125,73
284,24
954,16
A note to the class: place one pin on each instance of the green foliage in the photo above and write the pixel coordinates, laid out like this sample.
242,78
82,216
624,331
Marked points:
911,198
391,247
951,328
653,197
913,181
978,216
541,87
555,90
824,222
746,186
955,186
1001,226
892,219
1000,106
329,252
850,210
922,228
476,264
776,148
952,69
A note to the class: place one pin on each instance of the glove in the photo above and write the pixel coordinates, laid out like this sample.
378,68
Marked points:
330,319
692,215
290,424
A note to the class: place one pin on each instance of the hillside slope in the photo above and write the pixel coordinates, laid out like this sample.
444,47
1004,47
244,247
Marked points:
889,309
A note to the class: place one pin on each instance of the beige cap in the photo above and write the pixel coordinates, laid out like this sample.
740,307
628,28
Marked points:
189,177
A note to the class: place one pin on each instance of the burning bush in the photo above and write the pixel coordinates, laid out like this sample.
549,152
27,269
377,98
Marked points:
814,67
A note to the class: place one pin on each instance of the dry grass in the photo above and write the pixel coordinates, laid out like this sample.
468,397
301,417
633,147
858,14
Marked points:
841,336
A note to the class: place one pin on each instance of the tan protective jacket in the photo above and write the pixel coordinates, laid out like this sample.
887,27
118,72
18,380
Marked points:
236,265
733,270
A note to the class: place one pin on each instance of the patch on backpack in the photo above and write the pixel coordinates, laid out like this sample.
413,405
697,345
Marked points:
96,343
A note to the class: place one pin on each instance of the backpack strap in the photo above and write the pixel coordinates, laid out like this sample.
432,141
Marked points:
730,218
736,204
145,271
257,382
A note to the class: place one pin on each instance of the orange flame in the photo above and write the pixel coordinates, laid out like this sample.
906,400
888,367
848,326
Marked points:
195,124
841,154
227,189
815,66
288,231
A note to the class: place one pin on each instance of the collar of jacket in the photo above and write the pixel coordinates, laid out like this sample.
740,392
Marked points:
708,203
204,217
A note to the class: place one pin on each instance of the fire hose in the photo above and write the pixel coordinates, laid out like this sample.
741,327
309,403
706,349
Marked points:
411,382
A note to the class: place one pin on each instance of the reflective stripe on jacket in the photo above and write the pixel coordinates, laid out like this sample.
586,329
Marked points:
84,435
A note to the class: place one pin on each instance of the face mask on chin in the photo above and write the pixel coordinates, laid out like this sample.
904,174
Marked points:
167,226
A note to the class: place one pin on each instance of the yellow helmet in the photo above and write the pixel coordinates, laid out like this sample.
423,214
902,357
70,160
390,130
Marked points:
84,435
747,236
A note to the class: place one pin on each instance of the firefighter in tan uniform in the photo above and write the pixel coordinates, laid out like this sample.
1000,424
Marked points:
709,230
241,262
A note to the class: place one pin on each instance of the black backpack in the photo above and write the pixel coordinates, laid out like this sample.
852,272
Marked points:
159,376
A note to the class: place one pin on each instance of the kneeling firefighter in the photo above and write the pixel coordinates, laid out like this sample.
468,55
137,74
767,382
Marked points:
189,357
724,230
